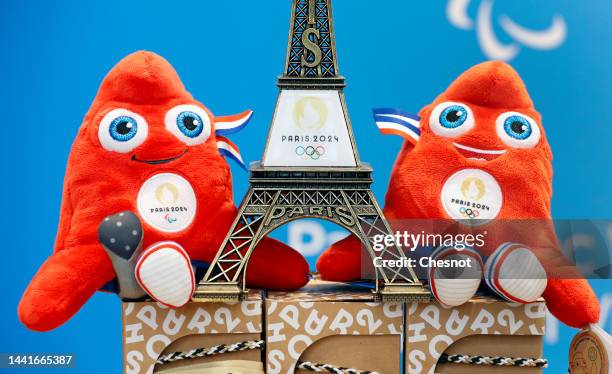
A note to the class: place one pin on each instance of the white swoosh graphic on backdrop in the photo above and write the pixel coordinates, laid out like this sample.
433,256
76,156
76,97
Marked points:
492,47
456,11
545,39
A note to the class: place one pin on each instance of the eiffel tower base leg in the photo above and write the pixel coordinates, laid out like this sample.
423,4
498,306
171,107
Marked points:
276,198
403,293
217,292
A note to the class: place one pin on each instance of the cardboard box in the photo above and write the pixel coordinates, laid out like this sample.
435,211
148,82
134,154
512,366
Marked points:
151,329
332,323
483,326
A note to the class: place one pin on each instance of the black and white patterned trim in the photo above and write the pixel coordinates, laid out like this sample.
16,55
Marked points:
211,351
326,368
493,360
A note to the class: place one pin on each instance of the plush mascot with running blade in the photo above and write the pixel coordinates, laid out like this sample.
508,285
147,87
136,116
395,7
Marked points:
147,198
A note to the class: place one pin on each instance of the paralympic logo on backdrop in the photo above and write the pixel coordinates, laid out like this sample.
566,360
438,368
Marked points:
492,47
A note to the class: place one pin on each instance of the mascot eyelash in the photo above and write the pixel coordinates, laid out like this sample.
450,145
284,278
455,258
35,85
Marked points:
227,125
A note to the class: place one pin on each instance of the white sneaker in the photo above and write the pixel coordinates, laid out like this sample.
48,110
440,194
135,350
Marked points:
454,286
515,273
164,271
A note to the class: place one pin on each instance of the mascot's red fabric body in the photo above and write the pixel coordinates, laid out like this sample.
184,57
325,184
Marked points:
100,182
522,170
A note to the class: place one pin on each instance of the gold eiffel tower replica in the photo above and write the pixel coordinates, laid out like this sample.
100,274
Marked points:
310,168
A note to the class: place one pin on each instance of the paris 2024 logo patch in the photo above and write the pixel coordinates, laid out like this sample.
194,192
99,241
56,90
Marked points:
167,202
472,196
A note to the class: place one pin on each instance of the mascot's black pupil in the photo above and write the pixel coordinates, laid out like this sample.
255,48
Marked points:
189,123
124,127
517,127
453,116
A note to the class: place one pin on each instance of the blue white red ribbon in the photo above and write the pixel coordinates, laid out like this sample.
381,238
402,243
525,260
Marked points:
227,125
392,121
229,149
490,266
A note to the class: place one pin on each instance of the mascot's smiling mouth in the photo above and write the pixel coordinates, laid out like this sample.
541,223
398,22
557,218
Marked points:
158,162
477,153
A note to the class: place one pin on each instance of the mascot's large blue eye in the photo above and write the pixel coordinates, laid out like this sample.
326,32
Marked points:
518,127
517,130
123,128
453,116
190,123
451,119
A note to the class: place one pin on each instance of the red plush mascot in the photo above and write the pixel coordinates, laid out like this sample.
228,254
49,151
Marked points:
478,152
146,194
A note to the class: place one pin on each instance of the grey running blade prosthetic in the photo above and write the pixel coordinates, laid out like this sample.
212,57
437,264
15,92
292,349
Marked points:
121,236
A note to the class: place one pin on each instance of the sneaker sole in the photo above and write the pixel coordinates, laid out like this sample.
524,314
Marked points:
460,289
515,274
164,271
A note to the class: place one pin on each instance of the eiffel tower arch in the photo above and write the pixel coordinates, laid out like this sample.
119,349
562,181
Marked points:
310,168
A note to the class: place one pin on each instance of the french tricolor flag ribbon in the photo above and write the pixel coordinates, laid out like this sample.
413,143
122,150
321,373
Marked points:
227,125
393,121
229,149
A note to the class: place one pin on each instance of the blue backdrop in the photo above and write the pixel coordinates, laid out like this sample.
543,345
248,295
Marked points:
228,53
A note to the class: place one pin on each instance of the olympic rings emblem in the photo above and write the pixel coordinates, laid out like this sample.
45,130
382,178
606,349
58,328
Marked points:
310,152
470,213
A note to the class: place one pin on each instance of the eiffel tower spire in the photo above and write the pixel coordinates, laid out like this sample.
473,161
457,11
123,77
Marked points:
311,53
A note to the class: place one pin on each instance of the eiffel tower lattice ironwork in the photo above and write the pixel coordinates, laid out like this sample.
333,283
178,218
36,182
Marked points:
310,168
